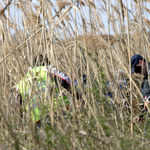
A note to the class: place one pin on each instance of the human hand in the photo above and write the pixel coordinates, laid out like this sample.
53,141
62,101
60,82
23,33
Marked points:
136,119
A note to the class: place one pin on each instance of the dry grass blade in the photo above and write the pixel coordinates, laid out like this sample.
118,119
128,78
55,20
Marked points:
63,15
146,9
3,10
62,4
81,3
92,4
2,31
122,10
104,2
147,21
116,9
67,18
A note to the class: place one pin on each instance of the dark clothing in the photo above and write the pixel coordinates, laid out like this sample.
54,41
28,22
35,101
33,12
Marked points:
145,88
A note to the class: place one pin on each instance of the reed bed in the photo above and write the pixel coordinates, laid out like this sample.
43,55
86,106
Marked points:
77,40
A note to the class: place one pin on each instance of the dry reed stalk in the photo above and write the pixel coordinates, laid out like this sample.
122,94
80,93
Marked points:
147,21
88,75
92,4
36,33
122,9
129,54
3,10
81,3
62,4
146,9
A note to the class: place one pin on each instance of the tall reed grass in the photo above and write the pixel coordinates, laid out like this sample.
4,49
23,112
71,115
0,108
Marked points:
74,36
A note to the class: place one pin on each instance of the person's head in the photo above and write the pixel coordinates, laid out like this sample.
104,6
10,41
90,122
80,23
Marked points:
138,64
40,60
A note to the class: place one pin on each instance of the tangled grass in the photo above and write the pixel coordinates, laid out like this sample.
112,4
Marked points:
72,34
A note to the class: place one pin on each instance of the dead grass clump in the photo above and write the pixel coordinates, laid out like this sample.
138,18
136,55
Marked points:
95,43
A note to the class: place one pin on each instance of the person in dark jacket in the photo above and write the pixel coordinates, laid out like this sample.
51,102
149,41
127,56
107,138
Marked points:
138,65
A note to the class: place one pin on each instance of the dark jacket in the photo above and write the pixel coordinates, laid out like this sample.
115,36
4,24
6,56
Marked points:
145,88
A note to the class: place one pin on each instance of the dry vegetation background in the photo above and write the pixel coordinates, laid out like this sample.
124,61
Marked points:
73,35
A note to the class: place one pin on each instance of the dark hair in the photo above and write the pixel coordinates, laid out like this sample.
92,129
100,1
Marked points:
41,61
